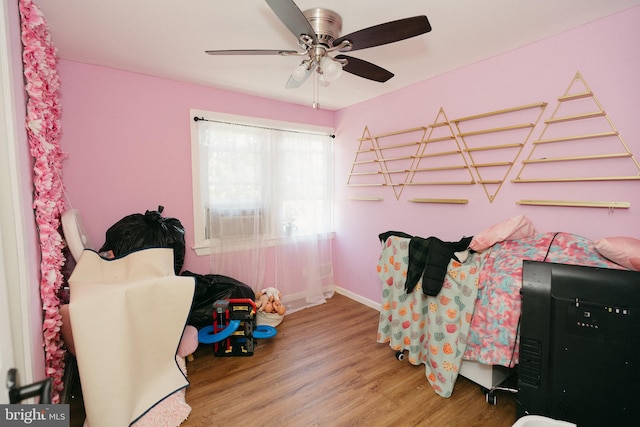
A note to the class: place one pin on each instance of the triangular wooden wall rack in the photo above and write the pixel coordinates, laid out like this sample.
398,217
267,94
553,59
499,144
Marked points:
393,152
366,170
441,146
494,140
579,126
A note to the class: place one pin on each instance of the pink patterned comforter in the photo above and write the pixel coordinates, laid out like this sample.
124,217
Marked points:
494,327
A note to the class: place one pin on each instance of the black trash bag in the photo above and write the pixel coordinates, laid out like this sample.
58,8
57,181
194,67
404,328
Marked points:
151,230
209,289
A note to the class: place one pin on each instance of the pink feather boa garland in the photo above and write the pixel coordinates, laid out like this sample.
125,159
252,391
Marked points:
43,133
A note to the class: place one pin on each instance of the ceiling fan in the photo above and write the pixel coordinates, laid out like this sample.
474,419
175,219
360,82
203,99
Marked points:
318,33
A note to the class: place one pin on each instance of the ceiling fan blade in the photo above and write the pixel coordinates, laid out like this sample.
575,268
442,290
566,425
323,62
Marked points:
365,69
388,32
293,18
252,52
293,83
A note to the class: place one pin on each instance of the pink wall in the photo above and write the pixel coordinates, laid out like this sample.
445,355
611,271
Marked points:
605,52
128,142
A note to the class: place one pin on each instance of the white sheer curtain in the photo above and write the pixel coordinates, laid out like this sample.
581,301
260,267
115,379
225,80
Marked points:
269,196
304,266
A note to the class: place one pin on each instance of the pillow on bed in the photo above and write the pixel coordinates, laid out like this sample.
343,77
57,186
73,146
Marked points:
621,250
510,229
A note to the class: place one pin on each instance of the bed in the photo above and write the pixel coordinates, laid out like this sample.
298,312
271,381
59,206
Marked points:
470,327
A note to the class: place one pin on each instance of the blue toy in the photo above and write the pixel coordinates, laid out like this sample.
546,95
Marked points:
206,335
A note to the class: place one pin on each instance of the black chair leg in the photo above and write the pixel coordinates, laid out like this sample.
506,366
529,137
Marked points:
18,394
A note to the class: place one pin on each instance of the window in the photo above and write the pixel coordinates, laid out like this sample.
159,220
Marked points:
257,177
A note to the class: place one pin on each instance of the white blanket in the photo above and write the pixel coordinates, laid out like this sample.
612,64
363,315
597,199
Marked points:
127,317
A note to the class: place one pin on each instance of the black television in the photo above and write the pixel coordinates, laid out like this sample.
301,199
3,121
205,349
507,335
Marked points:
580,344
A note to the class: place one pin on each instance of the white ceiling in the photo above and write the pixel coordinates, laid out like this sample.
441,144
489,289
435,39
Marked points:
167,38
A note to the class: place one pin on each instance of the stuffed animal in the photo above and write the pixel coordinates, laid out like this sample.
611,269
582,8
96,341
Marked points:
279,308
273,293
261,300
268,300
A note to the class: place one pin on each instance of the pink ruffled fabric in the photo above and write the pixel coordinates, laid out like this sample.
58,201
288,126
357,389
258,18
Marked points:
43,134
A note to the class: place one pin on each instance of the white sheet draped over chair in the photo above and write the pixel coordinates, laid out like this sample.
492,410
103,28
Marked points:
127,317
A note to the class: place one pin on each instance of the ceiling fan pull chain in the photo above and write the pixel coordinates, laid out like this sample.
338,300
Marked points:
316,91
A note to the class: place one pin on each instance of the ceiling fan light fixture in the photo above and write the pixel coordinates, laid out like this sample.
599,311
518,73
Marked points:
322,82
300,72
330,68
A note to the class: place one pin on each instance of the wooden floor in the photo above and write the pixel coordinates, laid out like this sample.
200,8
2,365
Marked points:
324,368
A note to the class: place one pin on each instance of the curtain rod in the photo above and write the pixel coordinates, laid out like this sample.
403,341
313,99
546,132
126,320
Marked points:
202,119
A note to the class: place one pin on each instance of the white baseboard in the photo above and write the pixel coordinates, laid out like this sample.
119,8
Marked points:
358,298
290,298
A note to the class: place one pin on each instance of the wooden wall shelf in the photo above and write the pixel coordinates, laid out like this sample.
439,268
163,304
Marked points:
588,157
589,150
366,161
577,137
591,115
578,95
447,201
494,160
490,165
365,198
366,173
398,132
582,204
392,146
578,179
393,159
440,168
441,153
504,111
442,183
494,147
500,129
